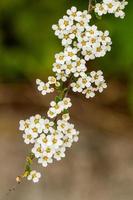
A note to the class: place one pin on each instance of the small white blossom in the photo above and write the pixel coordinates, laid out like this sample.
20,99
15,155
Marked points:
89,92
57,108
58,67
44,140
96,77
76,87
45,160
74,14
84,80
37,150
47,125
60,58
101,86
28,138
66,117
115,7
70,54
34,176
101,9
59,153
56,141
65,23
67,142
66,103
51,80
44,88
23,125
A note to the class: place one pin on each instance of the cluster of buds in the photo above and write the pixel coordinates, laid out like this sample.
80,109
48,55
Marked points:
51,135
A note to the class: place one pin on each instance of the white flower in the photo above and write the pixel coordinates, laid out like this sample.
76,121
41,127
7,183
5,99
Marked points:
70,53
47,125
23,125
92,43
115,7
96,77
31,131
44,140
91,31
83,20
61,125
74,14
89,92
70,132
60,58
112,5
57,133
48,151
44,88
66,39
101,9
76,137
88,53
67,142
59,153
76,87
34,176
70,67
34,129
84,80
57,108
80,67
28,138
101,86
58,67
65,23
51,80
56,141
65,117
119,13
51,113
62,76
104,38
66,103
37,150
45,160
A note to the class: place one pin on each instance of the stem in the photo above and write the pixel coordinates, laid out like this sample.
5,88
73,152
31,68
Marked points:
30,157
68,87
89,6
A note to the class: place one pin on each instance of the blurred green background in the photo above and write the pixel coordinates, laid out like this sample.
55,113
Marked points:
28,44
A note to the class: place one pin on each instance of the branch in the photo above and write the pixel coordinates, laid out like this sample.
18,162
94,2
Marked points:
89,6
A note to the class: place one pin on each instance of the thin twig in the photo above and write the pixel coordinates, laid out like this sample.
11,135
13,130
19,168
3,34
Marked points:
10,190
89,6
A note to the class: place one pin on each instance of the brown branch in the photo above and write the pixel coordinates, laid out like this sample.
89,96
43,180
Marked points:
89,6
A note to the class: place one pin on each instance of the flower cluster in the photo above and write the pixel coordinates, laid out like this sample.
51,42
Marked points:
50,141
78,36
57,108
46,88
51,135
89,84
115,7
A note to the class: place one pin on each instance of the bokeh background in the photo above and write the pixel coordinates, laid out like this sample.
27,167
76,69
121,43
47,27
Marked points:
100,166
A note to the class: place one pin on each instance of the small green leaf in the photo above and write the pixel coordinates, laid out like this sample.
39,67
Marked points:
57,99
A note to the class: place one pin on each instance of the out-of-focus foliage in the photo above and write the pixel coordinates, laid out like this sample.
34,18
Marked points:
28,45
